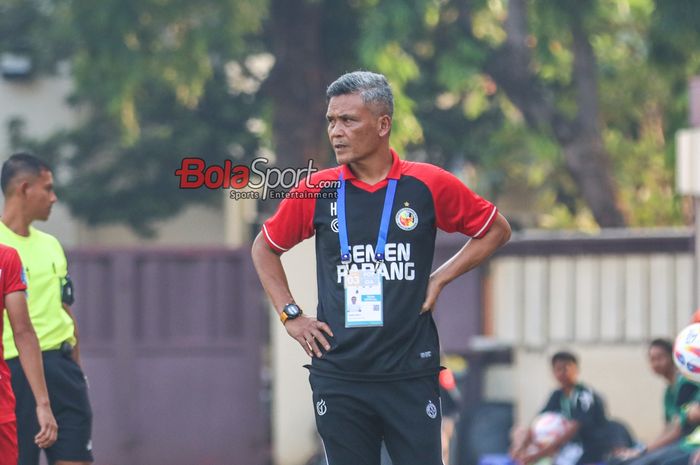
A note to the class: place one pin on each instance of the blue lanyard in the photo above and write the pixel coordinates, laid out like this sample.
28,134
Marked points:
383,228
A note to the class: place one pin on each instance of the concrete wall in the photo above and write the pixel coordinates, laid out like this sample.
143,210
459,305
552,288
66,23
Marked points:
41,104
195,226
294,437
226,223
612,298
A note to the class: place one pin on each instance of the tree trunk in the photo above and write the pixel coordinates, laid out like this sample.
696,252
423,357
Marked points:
296,84
581,141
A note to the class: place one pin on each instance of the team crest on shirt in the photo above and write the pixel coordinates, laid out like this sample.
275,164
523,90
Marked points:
407,219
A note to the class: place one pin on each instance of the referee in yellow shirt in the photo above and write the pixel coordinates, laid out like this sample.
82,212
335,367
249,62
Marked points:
27,184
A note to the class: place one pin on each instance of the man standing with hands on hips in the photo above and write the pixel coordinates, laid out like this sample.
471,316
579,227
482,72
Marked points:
27,183
374,371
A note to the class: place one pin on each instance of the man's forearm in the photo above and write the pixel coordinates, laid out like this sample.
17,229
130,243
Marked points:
271,273
671,434
474,252
570,432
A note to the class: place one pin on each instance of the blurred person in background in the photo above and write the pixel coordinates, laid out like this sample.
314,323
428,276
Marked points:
451,403
678,395
683,452
27,183
583,439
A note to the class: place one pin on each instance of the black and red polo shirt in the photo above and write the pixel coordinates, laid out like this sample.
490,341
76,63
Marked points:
427,198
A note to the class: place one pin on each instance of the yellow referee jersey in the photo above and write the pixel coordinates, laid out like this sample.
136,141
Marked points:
45,265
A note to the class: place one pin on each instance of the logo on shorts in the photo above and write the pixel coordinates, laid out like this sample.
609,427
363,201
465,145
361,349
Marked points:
431,410
407,219
89,445
321,408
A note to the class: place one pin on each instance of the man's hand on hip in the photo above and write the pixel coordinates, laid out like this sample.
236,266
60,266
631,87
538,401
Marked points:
431,295
308,332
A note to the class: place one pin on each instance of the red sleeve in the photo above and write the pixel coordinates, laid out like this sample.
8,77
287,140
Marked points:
13,272
457,208
292,223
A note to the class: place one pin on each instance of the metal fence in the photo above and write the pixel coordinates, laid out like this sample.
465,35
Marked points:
172,343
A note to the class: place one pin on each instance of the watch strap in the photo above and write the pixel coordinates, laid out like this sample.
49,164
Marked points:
284,316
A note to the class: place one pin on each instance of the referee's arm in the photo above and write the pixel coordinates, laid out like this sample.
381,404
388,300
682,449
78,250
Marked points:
469,257
76,348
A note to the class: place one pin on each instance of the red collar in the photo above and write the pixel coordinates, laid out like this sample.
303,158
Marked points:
394,172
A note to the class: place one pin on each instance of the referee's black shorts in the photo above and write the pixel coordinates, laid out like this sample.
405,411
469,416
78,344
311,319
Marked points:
353,417
70,405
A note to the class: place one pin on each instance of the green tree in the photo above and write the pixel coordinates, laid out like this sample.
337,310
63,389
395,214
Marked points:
559,102
157,81
567,105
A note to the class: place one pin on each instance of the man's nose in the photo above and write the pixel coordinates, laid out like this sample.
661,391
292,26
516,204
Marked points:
336,131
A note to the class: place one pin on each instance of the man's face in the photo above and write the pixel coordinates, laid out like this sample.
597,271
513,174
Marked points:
565,372
660,361
355,130
40,196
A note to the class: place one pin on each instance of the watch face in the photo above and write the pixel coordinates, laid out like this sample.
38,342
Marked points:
292,311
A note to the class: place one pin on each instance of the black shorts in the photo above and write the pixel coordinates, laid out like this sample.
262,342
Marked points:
353,417
70,405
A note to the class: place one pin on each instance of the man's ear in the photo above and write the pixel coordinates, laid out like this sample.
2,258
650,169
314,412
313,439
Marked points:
22,187
384,125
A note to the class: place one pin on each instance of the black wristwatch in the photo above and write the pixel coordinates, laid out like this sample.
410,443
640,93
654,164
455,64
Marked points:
290,312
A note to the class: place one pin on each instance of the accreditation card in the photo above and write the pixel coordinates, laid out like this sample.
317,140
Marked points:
363,299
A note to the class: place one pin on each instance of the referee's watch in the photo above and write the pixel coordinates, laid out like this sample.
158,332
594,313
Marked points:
290,312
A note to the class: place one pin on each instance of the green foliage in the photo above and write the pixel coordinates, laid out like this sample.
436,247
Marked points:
39,29
466,118
161,79
154,80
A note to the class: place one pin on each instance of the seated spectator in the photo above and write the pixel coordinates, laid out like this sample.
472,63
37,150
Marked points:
583,440
683,452
678,395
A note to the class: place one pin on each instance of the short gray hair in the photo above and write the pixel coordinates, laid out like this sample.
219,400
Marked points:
372,87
